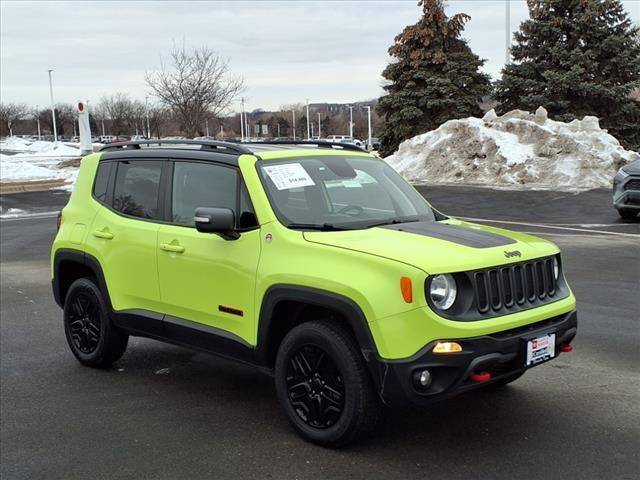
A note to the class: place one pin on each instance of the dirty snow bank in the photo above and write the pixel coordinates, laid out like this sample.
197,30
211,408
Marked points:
515,149
36,160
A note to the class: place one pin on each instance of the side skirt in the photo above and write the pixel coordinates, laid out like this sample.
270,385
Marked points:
185,333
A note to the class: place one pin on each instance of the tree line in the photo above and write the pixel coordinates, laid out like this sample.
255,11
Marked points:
573,57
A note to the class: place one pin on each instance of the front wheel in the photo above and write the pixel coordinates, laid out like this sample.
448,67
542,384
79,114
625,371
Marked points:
627,214
323,385
91,335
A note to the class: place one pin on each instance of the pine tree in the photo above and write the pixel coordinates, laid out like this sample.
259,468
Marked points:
576,58
433,77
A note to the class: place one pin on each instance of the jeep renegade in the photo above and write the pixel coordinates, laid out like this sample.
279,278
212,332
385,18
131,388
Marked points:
317,263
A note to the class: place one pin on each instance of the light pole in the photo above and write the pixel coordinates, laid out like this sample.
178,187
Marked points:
242,120
369,146
351,121
308,122
146,111
293,115
102,121
221,131
319,127
38,120
206,122
508,31
53,110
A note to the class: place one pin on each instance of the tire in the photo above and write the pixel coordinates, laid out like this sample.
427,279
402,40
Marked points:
500,384
91,335
627,214
323,385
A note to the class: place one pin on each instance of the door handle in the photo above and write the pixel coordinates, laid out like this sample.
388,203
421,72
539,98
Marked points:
104,233
172,247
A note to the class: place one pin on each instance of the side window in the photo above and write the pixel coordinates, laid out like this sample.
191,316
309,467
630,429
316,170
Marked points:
101,181
201,185
137,188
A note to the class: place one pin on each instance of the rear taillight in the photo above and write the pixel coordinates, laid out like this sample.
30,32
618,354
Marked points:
58,221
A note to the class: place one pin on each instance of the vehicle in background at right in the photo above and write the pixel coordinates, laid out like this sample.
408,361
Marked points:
626,190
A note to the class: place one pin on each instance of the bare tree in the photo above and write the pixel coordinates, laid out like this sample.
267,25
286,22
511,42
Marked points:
196,85
11,113
120,110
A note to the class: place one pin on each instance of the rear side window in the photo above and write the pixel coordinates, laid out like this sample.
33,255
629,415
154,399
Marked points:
201,185
101,181
137,188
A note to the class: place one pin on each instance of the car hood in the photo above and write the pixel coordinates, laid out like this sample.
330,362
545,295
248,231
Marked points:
439,247
632,168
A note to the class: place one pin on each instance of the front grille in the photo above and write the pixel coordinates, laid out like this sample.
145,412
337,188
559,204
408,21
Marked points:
633,184
516,286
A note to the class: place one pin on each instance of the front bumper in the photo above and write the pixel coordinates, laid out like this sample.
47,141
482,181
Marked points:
626,196
501,354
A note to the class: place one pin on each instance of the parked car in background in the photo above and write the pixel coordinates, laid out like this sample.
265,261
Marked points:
375,143
108,138
626,190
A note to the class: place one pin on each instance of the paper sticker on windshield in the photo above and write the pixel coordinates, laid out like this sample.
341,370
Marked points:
288,175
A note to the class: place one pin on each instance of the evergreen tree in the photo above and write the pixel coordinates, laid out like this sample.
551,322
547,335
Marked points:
576,58
433,77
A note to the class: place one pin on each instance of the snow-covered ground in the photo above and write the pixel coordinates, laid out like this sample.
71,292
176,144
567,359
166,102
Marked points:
23,160
516,149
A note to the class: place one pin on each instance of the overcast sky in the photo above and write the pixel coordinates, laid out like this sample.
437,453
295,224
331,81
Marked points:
286,51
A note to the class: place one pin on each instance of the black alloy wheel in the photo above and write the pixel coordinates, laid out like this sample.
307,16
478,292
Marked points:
316,387
84,323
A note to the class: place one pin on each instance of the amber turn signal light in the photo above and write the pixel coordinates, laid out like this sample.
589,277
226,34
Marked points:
407,289
447,347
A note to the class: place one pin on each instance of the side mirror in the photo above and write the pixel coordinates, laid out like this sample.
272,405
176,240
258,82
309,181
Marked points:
216,220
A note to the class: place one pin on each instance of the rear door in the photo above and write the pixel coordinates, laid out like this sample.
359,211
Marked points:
123,235
204,278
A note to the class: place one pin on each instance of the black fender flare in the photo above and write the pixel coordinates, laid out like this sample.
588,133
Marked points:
345,306
79,257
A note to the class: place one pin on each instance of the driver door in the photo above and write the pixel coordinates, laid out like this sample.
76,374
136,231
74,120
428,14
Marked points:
204,278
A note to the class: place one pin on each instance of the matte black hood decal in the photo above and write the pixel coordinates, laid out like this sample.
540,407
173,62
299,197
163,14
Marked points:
466,236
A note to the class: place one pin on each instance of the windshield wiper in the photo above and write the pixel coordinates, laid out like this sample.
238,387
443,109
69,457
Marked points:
392,221
325,227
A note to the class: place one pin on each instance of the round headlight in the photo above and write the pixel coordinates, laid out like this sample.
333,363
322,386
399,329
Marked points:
443,291
556,268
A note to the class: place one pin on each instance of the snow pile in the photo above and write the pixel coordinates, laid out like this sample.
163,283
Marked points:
38,148
517,148
36,160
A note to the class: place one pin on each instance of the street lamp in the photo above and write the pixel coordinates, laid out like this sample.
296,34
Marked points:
293,115
308,122
508,31
351,121
53,110
146,111
242,120
369,146
319,127
38,120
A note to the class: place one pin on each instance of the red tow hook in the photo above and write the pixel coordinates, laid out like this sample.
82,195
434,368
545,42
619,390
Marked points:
480,377
565,348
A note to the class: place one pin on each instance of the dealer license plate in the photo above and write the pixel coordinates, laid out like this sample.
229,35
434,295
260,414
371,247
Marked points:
540,349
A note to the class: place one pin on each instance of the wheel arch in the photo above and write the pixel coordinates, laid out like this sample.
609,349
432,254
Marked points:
68,266
285,306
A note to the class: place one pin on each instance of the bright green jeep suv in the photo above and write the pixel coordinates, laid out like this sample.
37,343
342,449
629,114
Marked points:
317,263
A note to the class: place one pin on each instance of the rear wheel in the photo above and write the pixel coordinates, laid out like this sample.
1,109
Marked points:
91,335
323,385
627,214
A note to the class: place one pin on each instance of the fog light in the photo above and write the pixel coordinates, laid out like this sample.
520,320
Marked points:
422,378
447,347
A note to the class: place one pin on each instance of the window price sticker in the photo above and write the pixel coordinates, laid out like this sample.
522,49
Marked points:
288,175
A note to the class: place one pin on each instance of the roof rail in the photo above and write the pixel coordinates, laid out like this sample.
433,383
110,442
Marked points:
319,144
222,147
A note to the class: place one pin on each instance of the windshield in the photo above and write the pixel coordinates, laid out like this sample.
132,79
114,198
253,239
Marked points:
336,193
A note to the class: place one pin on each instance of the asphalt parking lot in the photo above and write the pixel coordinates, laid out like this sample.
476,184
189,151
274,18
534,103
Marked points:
165,412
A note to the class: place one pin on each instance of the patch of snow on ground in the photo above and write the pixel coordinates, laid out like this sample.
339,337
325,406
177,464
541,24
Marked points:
517,148
36,160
